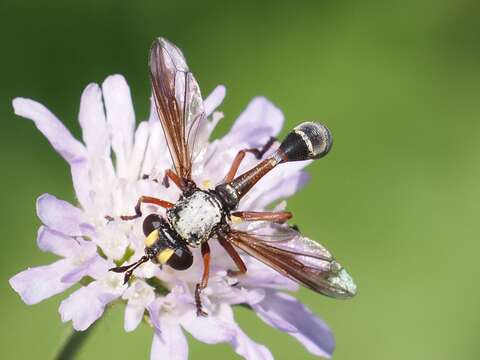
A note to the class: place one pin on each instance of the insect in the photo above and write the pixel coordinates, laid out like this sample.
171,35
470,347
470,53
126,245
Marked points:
202,215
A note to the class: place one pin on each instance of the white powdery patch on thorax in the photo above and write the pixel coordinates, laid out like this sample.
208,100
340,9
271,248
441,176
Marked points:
194,217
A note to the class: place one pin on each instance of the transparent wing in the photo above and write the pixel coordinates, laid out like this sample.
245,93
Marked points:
297,257
179,104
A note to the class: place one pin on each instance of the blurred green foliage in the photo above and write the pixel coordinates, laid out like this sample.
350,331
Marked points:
397,200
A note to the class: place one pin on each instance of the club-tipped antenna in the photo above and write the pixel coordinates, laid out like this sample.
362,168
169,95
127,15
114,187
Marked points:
128,269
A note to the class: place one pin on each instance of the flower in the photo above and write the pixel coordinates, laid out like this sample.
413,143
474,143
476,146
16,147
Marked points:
89,244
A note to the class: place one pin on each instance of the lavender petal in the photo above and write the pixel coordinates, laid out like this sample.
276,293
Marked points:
60,215
275,188
84,269
39,283
211,329
56,133
93,122
214,100
57,243
120,119
169,342
256,124
60,138
241,343
86,305
287,314
133,317
249,349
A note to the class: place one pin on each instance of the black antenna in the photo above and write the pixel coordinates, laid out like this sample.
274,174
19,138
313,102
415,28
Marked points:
128,269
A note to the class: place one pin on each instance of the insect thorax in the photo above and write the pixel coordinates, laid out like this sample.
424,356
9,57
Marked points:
194,217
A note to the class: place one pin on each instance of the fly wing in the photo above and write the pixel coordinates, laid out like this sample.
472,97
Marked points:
179,104
298,258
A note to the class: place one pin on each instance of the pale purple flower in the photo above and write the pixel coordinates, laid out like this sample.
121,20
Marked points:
89,244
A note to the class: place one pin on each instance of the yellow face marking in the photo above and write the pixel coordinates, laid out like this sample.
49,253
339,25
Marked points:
152,238
207,184
164,255
236,220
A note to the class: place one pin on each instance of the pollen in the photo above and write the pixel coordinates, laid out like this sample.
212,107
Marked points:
207,184
236,220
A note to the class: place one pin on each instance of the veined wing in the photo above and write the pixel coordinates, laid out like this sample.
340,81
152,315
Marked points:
179,103
298,258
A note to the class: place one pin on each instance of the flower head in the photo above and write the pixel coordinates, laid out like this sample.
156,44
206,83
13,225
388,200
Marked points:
89,244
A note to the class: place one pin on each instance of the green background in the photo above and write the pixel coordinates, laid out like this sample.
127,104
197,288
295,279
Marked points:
397,200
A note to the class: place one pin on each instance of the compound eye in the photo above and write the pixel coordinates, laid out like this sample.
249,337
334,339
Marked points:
181,259
151,223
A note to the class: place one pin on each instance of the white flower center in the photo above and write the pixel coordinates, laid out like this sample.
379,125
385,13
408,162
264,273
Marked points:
112,282
139,294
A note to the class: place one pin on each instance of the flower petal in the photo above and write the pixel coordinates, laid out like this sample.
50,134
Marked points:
92,121
139,150
249,349
139,296
56,242
87,268
153,117
211,329
49,125
86,305
275,187
262,276
60,138
120,119
169,342
256,124
287,314
60,215
155,161
82,307
80,176
133,317
241,343
214,99
39,283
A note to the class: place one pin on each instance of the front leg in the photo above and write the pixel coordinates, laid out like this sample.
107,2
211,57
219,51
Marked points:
204,282
146,200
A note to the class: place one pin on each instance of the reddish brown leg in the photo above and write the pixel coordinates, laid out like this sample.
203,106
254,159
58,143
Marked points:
279,216
241,154
204,282
242,268
146,200
170,174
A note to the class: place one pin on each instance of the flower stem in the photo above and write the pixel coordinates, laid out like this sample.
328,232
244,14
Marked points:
73,343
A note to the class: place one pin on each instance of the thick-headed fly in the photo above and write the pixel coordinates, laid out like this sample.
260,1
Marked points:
200,215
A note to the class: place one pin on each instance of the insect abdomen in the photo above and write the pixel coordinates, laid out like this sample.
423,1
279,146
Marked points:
308,140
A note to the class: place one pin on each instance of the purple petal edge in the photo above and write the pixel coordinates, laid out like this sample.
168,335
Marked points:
287,314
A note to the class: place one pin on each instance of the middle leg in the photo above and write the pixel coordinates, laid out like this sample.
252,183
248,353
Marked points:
204,282
242,268
275,216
